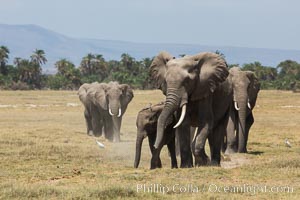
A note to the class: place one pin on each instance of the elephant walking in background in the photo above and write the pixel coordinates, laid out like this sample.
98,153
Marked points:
106,103
146,123
245,90
82,93
194,88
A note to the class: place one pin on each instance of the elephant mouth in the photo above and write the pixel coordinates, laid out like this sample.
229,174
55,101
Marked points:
236,106
110,112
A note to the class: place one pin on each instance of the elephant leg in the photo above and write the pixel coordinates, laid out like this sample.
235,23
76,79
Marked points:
151,141
155,160
177,144
215,142
249,123
231,139
108,129
201,158
97,123
205,126
172,151
185,147
224,144
88,121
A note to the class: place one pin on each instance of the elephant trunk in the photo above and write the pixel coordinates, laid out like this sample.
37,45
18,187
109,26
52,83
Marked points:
173,101
138,148
242,114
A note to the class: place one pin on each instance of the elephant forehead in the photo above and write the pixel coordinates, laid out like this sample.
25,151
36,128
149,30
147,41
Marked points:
183,63
114,91
240,80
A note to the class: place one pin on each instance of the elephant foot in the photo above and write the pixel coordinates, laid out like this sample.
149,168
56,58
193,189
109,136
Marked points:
154,166
97,134
243,150
186,162
230,151
90,133
174,166
155,163
215,163
188,165
201,160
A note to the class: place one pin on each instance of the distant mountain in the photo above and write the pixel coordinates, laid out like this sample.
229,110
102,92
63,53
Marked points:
22,40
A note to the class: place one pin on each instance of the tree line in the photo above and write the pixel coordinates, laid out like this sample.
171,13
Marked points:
26,73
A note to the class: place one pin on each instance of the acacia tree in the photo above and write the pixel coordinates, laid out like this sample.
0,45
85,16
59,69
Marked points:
289,75
289,68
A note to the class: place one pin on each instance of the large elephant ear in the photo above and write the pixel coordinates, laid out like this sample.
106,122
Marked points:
127,94
100,95
213,71
82,92
253,88
158,70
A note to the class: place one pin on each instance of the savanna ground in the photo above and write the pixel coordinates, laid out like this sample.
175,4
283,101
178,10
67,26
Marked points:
46,154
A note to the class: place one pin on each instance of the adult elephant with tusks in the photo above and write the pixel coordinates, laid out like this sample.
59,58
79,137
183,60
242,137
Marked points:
245,87
107,104
195,87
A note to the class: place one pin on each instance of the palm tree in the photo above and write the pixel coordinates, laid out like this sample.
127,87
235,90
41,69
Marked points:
4,52
127,60
86,64
38,57
100,66
29,72
17,61
64,67
67,69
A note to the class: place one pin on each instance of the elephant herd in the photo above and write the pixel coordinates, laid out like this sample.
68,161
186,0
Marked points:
205,100
105,104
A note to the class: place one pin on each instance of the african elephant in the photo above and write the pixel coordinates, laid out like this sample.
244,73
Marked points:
245,87
108,102
195,87
82,93
146,123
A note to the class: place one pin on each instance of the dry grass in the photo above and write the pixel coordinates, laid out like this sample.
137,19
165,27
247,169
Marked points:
45,153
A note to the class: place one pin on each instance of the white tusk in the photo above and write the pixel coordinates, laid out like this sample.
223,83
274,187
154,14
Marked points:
120,112
236,106
249,106
109,110
195,134
181,116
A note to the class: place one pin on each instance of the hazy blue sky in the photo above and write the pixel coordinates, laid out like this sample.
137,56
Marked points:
248,23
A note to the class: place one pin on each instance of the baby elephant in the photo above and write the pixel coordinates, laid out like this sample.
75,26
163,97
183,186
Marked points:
146,123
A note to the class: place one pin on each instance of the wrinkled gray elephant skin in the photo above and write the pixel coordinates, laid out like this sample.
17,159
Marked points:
245,88
197,90
146,123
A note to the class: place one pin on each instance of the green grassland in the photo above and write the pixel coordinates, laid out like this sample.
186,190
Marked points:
46,154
